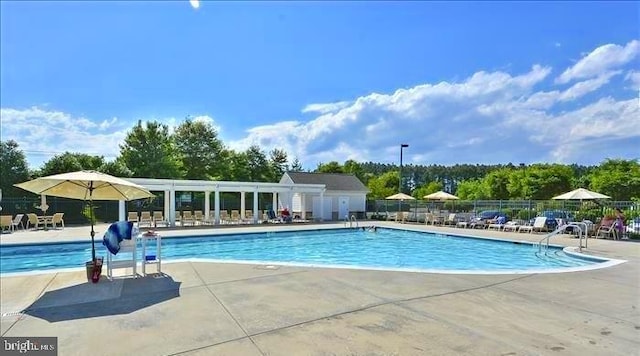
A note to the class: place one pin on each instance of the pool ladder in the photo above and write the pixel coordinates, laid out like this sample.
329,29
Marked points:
352,221
582,232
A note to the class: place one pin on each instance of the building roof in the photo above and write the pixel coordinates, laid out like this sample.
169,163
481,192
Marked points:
333,181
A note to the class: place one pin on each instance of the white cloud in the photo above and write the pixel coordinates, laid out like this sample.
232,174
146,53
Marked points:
325,108
581,88
634,78
600,60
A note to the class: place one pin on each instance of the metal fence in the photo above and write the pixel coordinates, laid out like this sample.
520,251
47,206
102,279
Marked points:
515,209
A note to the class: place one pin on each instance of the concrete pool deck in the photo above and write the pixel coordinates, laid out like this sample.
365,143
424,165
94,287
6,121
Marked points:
200,308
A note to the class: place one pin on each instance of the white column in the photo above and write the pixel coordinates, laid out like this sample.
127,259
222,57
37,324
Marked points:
274,203
167,205
255,206
172,207
121,214
242,205
207,205
321,205
216,203
303,212
290,201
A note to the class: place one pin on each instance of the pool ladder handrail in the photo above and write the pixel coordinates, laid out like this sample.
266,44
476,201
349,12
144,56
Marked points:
351,220
562,228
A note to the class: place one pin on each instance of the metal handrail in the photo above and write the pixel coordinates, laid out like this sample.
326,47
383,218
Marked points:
557,232
353,219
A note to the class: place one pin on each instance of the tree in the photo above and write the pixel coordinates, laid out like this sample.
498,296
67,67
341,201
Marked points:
296,166
384,185
239,169
426,189
545,181
472,189
71,162
13,168
618,178
116,168
331,167
497,183
150,152
259,169
353,167
278,164
200,150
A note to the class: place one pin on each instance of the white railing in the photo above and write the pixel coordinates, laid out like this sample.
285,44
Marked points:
351,221
562,228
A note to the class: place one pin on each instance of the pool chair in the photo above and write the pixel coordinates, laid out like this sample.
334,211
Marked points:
145,219
498,224
273,218
235,217
158,218
248,217
17,222
538,224
224,217
198,217
607,231
451,219
32,220
187,218
133,217
5,223
57,219
511,226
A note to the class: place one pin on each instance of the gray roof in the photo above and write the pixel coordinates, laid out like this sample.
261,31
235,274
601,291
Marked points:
333,181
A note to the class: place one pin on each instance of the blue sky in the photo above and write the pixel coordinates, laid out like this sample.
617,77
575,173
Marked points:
459,82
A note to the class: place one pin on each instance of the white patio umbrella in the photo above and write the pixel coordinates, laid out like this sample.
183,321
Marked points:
86,185
441,196
581,194
400,196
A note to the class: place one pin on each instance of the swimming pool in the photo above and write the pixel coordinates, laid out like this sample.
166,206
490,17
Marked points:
384,249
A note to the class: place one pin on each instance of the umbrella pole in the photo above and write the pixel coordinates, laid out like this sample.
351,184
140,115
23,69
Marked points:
93,233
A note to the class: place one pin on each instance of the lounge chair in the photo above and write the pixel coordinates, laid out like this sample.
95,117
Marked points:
273,218
32,220
451,220
145,219
607,231
133,217
158,218
17,222
511,226
248,217
538,224
6,222
235,217
224,217
498,224
198,217
56,219
187,218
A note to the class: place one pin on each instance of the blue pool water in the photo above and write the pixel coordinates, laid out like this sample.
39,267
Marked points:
386,248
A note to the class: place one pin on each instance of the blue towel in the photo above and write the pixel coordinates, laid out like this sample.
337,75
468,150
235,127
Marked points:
117,232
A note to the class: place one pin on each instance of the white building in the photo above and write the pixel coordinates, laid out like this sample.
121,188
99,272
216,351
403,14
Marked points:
345,195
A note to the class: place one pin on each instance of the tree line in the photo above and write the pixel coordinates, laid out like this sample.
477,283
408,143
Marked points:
194,151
